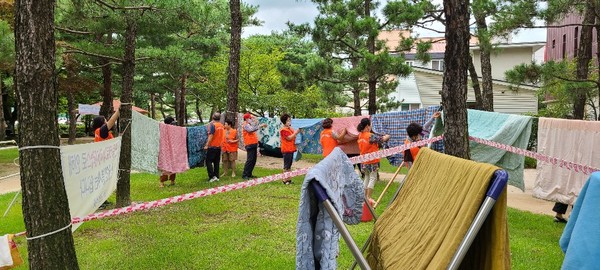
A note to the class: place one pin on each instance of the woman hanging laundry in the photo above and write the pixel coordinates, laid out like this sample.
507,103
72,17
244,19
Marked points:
416,133
329,138
288,146
367,143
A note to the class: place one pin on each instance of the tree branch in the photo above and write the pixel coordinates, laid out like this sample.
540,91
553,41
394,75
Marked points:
575,80
112,7
74,50
73,31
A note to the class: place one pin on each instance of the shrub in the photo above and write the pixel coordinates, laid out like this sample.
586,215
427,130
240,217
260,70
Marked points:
63,130
530,163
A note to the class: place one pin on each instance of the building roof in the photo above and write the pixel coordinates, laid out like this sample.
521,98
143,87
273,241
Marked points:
533,45
495,81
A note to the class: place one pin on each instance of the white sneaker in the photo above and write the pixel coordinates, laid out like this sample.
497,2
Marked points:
214,179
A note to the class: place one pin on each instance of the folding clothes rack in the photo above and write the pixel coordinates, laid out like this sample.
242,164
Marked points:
497,185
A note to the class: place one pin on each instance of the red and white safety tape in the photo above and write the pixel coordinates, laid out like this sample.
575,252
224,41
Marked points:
240,185
541,157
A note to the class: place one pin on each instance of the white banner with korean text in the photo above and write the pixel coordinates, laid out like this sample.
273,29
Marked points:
89,109
90,171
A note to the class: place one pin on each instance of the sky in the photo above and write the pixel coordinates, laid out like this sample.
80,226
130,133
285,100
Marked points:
275,14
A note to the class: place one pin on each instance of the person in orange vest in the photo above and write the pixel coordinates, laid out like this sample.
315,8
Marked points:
416,133
102,132
169,120
288,146
230,148
102,127
249,129
330,139
216,136
367,143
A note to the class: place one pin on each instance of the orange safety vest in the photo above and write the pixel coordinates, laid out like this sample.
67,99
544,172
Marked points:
410,154
249,137
97,137
230,147
287,146
327,141
366,147
218,136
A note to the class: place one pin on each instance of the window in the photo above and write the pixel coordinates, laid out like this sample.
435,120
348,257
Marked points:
415,106
575,45
405,107
437,65
553,43
564,46
409,63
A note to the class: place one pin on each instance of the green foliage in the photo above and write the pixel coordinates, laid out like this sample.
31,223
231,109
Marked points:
345,34
63,130
530,163
7,47
558,85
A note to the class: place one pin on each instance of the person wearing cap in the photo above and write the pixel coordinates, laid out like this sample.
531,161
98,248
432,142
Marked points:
249,129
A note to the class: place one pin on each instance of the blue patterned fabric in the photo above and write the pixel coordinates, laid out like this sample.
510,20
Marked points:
196,139
269,141
395,123
317,237
310,140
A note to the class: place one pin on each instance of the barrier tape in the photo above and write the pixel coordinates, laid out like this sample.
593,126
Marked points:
240,185
541,157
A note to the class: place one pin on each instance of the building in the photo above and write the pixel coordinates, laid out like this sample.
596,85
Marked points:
562,42
423,87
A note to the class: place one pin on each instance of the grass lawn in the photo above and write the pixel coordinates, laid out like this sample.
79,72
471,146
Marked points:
8,155
252,228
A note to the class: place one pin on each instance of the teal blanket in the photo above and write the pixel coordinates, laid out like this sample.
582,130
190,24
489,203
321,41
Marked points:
506,129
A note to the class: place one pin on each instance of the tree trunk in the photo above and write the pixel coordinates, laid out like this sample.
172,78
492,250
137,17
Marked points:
123,186
454,89
486,65
598,60
584,57
180,102
356,91
371,76
45,204
233,74
198,112
107,98
178,107
475,83
152,106
72,116
2,120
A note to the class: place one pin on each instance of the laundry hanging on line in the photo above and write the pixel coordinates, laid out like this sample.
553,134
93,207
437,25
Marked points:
573,140
509,129
395,123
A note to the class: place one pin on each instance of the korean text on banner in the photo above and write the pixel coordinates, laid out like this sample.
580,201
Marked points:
90,171
89,109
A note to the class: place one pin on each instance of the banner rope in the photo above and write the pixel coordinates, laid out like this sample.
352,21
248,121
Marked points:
358,159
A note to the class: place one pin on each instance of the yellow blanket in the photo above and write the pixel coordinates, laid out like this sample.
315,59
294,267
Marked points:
424,226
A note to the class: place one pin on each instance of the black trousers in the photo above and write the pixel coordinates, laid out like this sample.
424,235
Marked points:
213,158
560,208
251,151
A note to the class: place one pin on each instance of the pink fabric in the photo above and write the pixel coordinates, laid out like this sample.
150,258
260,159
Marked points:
350,145
172,152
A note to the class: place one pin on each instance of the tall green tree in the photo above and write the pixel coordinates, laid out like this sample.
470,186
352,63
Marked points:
45,205
233,70
454,88
345,33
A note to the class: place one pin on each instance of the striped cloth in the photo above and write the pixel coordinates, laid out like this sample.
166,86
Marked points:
395,123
